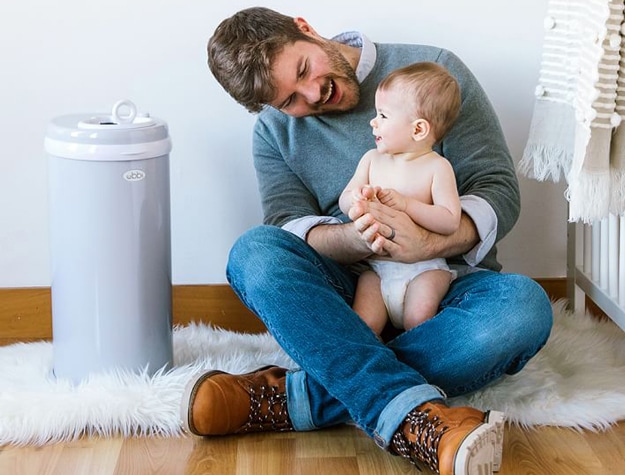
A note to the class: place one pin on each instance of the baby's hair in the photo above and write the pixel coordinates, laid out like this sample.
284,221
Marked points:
435,93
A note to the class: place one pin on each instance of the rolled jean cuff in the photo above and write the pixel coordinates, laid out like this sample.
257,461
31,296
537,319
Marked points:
396,411
297,400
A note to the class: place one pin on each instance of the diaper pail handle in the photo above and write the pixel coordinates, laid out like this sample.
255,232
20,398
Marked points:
126,106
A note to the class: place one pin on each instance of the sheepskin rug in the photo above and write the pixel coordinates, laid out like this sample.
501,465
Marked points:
577,380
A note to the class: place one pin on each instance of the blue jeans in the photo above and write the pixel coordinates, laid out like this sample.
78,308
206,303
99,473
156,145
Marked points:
490,324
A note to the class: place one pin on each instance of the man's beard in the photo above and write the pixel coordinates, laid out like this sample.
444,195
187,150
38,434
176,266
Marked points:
342,70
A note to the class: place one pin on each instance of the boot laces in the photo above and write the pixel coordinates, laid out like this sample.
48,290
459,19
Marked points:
275,416
427,431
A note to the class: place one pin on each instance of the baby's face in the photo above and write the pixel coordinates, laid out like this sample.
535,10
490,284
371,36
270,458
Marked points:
393,124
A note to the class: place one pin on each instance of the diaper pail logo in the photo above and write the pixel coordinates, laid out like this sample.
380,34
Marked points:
134,175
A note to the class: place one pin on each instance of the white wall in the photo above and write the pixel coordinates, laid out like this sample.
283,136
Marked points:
74,56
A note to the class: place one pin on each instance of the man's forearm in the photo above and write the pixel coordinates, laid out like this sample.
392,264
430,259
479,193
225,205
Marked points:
456,244
340,242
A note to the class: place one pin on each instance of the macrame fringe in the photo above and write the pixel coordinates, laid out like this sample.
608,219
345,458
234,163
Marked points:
588,200
544,163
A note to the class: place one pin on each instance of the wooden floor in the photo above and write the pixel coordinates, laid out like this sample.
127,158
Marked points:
342,451
339,451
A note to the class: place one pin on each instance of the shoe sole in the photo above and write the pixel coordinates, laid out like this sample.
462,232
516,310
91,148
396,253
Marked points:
496,420
476,452
189,396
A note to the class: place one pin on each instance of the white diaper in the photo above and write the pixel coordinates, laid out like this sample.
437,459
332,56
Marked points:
395,277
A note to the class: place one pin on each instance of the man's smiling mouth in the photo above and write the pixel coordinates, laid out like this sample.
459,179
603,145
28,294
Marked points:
328,95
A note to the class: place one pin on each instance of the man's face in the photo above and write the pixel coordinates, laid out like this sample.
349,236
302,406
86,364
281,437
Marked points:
312,79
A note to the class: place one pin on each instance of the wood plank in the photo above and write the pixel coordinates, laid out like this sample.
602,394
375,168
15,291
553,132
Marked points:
26,313
212,455
554,286
217,304
154,455
538,450
87,455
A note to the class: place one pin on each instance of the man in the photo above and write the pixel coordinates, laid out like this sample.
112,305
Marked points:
314,98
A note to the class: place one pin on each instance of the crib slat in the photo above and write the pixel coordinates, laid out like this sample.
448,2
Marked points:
587,248
621,262
596,250
604,255
613,256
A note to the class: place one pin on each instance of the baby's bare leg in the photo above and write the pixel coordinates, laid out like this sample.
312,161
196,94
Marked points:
368,301
424,295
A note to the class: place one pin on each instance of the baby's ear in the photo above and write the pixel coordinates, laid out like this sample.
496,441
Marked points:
420,129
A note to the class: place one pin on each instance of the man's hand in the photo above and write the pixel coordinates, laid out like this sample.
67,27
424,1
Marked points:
376,223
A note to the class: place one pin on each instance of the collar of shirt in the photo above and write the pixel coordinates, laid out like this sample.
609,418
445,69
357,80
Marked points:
367,53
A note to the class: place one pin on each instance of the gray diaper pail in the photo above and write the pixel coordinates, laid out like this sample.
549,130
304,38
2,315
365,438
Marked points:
110,242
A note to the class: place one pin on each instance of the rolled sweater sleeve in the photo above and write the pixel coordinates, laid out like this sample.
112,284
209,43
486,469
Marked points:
301,226
485,221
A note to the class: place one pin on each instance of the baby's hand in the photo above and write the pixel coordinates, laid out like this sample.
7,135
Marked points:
392,199
370,193
361,194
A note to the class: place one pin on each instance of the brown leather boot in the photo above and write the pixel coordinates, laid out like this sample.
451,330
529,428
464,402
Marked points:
449,440
218,403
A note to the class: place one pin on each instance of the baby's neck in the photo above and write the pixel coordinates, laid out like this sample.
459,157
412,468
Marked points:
413,155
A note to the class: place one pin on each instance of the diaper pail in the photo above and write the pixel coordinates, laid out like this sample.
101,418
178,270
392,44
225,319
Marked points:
110,242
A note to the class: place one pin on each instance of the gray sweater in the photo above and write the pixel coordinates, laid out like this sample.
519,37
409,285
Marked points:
303,164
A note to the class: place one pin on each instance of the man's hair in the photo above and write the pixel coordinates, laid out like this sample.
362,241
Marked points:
242,50
434,91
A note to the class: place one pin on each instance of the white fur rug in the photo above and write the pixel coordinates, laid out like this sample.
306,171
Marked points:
577,380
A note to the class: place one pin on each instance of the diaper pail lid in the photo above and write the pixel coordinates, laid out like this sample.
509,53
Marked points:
125,134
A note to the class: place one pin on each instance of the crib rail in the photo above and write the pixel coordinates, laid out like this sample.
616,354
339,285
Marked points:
596,266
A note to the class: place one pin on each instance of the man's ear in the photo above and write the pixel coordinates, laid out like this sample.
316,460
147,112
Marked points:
305,27
420,129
